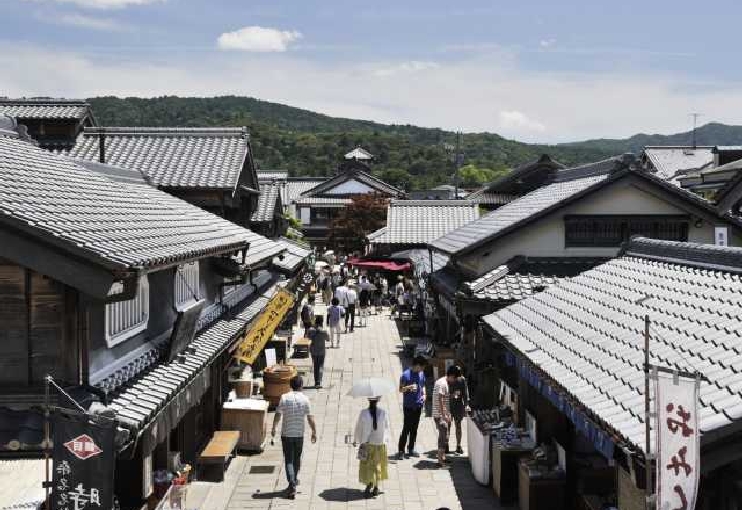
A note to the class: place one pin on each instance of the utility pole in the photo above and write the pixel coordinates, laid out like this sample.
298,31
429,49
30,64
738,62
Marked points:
457,160
695,116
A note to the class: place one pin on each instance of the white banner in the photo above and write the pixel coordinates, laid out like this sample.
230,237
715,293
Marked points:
677,441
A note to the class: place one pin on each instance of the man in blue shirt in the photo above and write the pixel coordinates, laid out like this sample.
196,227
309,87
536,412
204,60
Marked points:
412,386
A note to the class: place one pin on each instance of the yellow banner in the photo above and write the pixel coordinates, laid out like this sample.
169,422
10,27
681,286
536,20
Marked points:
264,326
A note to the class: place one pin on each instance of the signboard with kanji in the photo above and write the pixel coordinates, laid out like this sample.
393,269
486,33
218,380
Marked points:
83,457
264,326
677,441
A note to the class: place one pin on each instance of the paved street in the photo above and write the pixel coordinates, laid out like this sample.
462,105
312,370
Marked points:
329,472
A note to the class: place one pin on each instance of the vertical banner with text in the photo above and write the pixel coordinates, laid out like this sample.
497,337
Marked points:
83,458
677,441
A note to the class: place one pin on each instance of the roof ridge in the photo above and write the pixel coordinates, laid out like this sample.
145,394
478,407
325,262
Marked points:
705,256
432,201
43,101
164,131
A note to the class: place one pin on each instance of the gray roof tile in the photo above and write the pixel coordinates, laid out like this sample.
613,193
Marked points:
589,328
356,174
293,257
329,201
115,224
272,175
485,197
269,194
295,187
45,108
172,157
673,162
422,221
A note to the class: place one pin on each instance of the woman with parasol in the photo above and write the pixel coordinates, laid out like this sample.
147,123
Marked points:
372,434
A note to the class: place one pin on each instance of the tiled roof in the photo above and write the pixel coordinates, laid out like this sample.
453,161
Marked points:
359,153
330,201
422,221
672,162
380,236
21,484
272,175
511,215
184,378
420,257
354,174
211,158
45,108
269,194
501,284
118,225
586,333
484,197
524,178
295,187
293,257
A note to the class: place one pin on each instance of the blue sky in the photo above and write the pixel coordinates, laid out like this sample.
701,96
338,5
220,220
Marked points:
531,70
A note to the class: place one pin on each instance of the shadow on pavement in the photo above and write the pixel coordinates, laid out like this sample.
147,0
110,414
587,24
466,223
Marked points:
342,494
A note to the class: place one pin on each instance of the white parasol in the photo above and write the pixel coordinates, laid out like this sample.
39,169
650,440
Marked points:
372,387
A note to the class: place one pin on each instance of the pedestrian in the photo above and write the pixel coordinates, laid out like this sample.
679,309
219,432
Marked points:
334,314
364,300
459,402
351,297
412,387
335,281
307,314
326,289
293,407
340,292
372,434
441,411
318,338
384,290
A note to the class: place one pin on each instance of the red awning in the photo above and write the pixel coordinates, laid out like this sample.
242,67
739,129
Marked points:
387,265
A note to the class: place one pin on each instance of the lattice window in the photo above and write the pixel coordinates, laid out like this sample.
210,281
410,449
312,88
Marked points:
611,231
125,319
186,285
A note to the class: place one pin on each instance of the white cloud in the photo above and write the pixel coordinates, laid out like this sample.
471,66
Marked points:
547,43
90,22
518,122
106,4
258,39
471,94
413,66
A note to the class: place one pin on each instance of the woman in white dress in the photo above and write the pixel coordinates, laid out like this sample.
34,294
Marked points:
372,433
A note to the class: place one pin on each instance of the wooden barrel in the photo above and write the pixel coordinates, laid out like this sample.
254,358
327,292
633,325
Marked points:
276,382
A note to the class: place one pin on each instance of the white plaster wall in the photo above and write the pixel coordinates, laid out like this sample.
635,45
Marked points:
349,187
304,215
545,237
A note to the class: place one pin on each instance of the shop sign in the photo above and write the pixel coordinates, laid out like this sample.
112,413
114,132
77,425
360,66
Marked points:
677,444
265,325
83,457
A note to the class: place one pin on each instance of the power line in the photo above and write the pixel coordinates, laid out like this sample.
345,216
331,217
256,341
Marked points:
695,116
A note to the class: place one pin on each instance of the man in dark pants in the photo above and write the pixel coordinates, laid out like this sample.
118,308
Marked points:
412,386
318,338
293,407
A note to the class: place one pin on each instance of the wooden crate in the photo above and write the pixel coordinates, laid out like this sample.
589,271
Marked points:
247,416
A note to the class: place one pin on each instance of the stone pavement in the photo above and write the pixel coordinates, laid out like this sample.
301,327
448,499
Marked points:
329,471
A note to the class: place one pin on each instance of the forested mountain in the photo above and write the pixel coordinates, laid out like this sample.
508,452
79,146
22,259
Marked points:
308,143
709,134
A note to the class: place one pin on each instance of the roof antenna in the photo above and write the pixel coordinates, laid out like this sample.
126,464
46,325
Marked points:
695,116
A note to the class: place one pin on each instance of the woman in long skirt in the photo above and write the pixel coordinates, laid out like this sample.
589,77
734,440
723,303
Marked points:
372,430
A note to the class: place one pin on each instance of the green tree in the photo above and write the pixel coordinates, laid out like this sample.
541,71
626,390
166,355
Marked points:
366,214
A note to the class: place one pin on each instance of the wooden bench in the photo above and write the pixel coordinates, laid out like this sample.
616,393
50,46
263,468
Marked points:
214,458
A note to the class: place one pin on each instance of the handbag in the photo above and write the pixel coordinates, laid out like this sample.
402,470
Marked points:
363,451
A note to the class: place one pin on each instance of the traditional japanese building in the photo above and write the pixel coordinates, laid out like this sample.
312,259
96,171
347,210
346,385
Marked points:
320,205
212,168
53,123
516,183
268,218
131,299
579,218
573,357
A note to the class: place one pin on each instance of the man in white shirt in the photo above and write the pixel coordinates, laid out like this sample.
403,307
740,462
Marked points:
340,292
351,297
294,407
442,411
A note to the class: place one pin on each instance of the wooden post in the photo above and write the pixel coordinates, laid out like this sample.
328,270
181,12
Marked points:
47,441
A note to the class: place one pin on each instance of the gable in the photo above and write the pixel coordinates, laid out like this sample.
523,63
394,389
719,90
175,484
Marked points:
350,187
545,236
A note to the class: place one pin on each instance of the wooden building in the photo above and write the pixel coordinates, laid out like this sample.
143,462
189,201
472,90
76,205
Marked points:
268,219
53,123
212,168
579,218
320,205
572,358
130,298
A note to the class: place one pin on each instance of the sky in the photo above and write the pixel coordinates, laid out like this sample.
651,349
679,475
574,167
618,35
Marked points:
537,71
